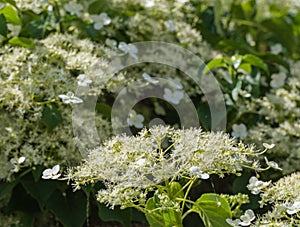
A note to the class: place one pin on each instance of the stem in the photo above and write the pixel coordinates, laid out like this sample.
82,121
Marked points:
191,182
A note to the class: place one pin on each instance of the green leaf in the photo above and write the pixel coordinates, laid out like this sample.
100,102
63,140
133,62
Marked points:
35,29
256,61
161,218
51,117
27,220
122,216
69,209
213,210
104,110
12,2
21,41
3,25
249,9
11,15
175,191
37,173
41,190
154,218
215,63
283,32
6,188
99,6
204,114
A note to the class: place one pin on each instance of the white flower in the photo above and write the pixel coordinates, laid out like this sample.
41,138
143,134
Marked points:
182,1
70,98
276,49
83,80
111,42
278,80
195,170
272,164
170,25
21,160
141,162
51,173
247,218
234,223
175,83
293,209
269,146
100,20
173,97
256,185
129,49
239,131
147,77
149,3
135,119
73,8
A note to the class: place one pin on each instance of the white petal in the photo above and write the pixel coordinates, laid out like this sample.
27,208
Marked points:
55,169
21,160
55,176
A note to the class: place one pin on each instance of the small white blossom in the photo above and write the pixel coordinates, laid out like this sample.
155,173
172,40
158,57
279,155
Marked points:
170,25
100,20
272,164
129,49
21,159
175,83
182,1
239,131
278,80
173,97
195,170
70,98
135,119
247,218
269,146
276,49
234,223
256,185
73,8
294,208
83,80
141,162
111,43
147,77
149,3
51,173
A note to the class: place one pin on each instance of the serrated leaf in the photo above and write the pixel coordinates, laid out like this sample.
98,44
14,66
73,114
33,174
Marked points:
213,210
11,15
3,26
118,215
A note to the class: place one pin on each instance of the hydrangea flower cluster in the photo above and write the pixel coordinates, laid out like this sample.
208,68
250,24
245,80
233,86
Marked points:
284,197
132,166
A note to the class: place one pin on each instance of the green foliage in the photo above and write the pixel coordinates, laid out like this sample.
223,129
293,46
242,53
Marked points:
213,210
